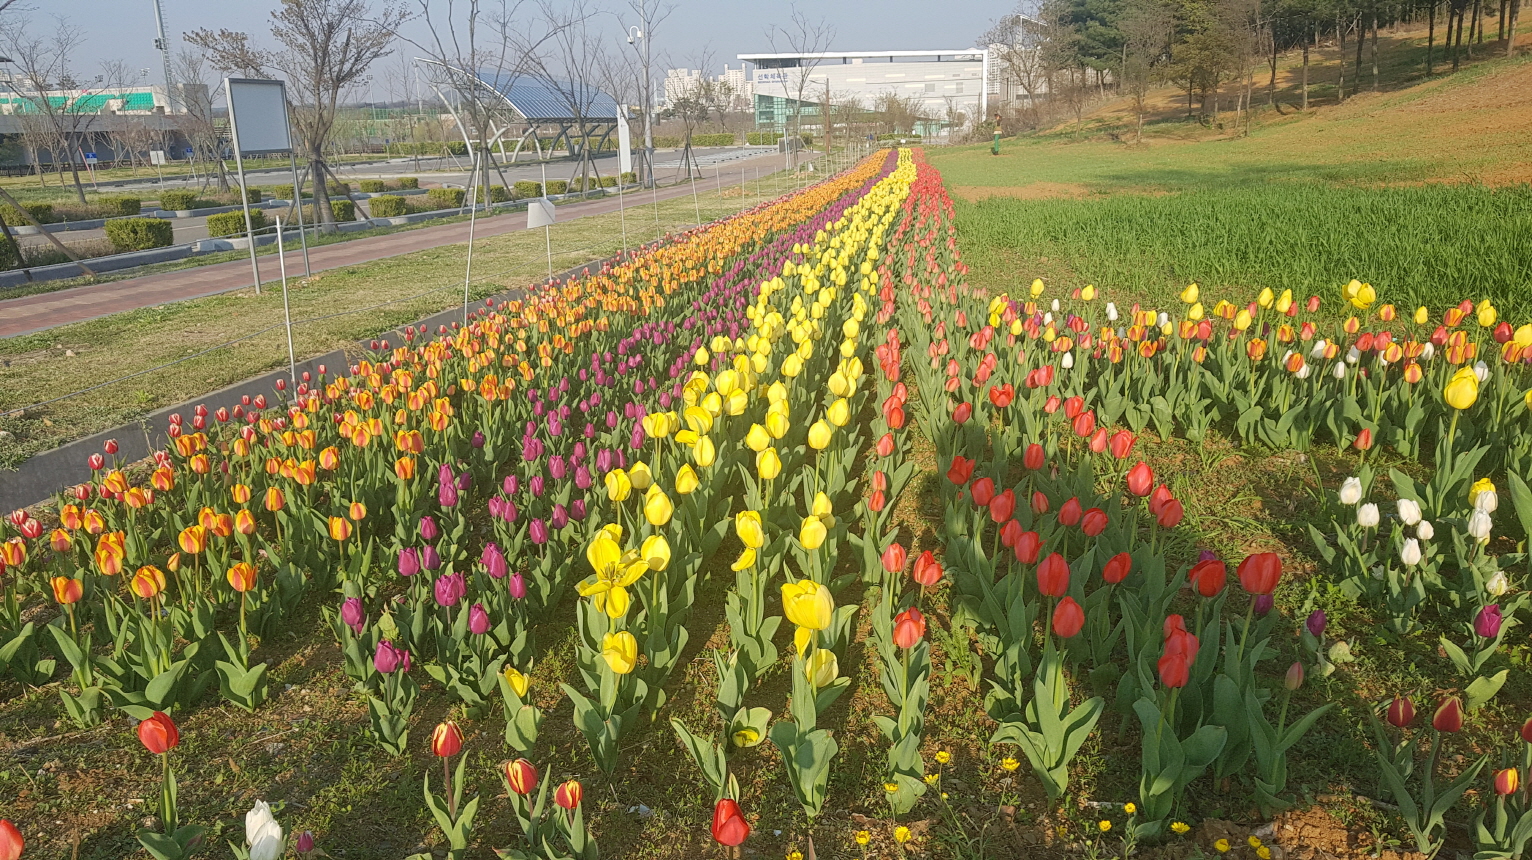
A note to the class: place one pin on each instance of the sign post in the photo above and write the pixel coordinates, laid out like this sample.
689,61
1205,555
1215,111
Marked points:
262,106
541,213
287,314
157,158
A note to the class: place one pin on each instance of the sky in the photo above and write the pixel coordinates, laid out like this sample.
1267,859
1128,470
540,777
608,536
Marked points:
124,29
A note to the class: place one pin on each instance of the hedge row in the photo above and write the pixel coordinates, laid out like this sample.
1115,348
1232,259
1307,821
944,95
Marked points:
139,234
47,213
233,223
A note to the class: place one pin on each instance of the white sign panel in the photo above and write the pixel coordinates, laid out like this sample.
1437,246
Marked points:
770,76
258,112
156,156
539,213
624,143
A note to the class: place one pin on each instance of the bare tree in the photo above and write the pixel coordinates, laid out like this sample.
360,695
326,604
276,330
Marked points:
199,124
572,65
1015,42
803,38
44,63
327,46
1147,28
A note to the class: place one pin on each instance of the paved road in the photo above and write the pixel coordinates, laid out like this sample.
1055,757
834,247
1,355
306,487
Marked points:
46,310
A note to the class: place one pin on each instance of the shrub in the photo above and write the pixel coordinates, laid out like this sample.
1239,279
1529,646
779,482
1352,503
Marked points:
139,234
526,189
178,201
42,212
445,198
408,183
724,139
371,186
252,195
498,194
338,189
558,186
117,206
343,210
762,138
233,223
608,182
8,258
667,141
387,206
629,177
283,192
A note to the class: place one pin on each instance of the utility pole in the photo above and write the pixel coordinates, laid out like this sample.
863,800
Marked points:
635,34
163,45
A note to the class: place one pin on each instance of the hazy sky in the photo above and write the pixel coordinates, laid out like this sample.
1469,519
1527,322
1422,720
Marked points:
124,29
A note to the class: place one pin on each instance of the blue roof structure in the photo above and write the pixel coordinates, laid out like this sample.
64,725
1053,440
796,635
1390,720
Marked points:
540,101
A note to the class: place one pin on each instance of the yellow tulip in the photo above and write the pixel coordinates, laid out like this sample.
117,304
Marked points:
1523,336
615,570
340,528
620,650
1462,390
776,393
701,357
757,439
736,403
686,479
806,603
819,435
767,464
777,424
1195,311
812,533
747,524
821,668
1242,319
655,552
822,508
519,682
1190,294
1483,485
704,452
656,425
1089,293
1037,287
840,386
618,487
1487,314
1363,297
839,412
1422,315
1265,298
657,506
1284,301
745,561
640,476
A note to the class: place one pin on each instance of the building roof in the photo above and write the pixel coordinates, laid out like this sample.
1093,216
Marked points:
825,55
541,101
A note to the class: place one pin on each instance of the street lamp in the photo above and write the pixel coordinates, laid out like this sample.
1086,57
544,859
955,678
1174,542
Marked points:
634,35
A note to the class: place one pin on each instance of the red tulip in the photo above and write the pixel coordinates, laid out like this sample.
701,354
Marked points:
1506,780
96,462
1068,618
909,628
1503,332
1051,405
1526,731
1175,670
1069,512
1122,444
877,501
446,740
159,734
886,445
1171,514
1140,479
962,413
1073,407
1098,441
960,470
1053,576
1008,534
1363,439
1448,716
1085,423
1117,568
729,825
1401,712
568,794
1039,503
1034,457
11,841
894,558
1093,522
983,491
1002,395
521,775
111,446
1028,545
1208,577
928,571
1002,506
1258,573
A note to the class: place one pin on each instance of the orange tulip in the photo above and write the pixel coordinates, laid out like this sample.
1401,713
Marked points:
70,517
404,467
240,494
275,501
207,518
66,590
201,464
329,459
137,497
59,540
340,528
244,523
148,581
115,482
358,512
223,525
163,479
241,577
304,473
193,539
94,523
174,562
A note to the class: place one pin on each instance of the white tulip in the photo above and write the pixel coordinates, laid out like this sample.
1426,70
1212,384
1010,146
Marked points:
1481,370
1318,351
1367,516
1410,554
1428,352
1111,312
1047,318
1055,305
1350,491
1122,331
263,834
1353,355
1479,525
1285,357
1425,531
1487,501
1339,371
1409,511
1498,584
1382,363
1163,318
1067,361
1304,371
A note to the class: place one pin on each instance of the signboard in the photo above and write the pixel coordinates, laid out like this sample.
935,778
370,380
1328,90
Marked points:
540,213
90,158
624,144
156,156
770,76
258,115
190,152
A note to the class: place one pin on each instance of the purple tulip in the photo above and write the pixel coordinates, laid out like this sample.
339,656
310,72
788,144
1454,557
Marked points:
450,588
1316,623
429,558
582,477
560,517
604,461
518,586
557,467
464,481
539,532
387,658
428,529
535,486
352,615
555,427
1263,604
494,561
611,419
636,440
1207,555
447,495
508,511
537,409
577,453
409,561
478,620
510,485
305,842
1487,624
577,510
590,431
478,439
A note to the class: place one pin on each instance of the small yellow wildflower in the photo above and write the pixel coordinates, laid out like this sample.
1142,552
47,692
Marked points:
863,837
1104,825
944,795
1221,846
1253,842
901,834
1263,852
1009,764
942,757
890,787
1180,826
931,778
795,855
1130,807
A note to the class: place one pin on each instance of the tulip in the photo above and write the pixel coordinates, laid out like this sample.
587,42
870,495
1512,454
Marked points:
1449,716
568,795
1498,584
812,533
340,528
1410,552
928,571
387,658
819,435
962,413
446,740
1039,502
1175,670
1526,732
909,628
961,470
1401,712
1070,513
983,492
807,604
478,620
1034,457
1351,491
1487,622
1462,389
1409,511
894,558
1208,577
1294,678
159,734
11,841
449,589
1506,781
305,845
66,590
1002,506
1258,573
1482,496
1367,516
729,825
1140,479
1315,623
521,776
1068,618
242,577
148,581
1093,522
1053,576
263,834
768,464
620,650
1028,546
822,668
517,586
353,615
747,524
657,507
1425,531
1479,525
1117,568
429,560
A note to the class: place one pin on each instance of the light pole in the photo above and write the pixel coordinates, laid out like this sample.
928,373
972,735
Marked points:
635,34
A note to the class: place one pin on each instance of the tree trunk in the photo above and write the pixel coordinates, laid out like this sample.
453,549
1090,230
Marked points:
1361,42
1375,50
1305,76
1431,37
1510,29
1500,21
1458,40
79,189
1271,93
324,219
1340,83
1473,26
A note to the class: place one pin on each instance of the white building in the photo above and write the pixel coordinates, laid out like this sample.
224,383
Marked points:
680,82
935,82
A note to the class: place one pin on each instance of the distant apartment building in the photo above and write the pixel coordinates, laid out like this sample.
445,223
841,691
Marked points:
679,83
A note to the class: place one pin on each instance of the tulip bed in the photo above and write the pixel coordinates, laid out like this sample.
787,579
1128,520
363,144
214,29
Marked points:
773,496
